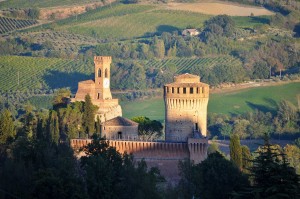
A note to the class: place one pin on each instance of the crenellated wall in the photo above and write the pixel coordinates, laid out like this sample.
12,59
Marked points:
164,155
186,102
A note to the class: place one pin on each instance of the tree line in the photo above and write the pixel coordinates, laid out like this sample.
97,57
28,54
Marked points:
37,162
282,124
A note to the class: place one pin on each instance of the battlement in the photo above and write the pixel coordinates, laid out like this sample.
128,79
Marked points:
186,91
102,59
195,149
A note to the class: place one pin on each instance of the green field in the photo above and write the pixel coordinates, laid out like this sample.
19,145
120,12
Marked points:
262,98
185,64
10,24
41,3
127,21
23,73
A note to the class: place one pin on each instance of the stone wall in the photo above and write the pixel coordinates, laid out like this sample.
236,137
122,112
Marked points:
164,155
186,101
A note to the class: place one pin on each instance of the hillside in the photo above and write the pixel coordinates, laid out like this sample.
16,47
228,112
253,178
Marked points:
231,102
145,41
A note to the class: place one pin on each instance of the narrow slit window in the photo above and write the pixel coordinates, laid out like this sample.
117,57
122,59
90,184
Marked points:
191,90
172,89
184,90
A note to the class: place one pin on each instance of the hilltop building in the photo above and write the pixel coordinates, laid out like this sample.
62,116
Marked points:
99,90
185,114
190,32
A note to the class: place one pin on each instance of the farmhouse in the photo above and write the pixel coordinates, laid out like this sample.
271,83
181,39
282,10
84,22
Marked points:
190,32
185,120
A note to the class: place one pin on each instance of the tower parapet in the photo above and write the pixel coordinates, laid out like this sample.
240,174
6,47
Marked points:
103,58
186,102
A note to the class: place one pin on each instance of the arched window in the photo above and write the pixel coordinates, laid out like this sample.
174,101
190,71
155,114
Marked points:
99,72
106,75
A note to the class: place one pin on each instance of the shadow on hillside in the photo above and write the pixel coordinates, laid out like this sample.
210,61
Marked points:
262,20
57,79
260,107
166,28
273,103
160,29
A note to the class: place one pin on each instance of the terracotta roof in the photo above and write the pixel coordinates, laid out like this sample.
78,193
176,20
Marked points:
186,75
87,82
120,121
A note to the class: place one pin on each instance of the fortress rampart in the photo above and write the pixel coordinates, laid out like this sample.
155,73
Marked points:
186,103
164,155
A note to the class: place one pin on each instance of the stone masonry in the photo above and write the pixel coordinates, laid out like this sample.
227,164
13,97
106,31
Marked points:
186,102
99,90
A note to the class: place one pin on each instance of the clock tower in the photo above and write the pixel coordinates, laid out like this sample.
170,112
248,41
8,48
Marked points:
102,77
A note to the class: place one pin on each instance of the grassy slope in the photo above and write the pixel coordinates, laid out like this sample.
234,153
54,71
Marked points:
131,21
184,64
262,98
40,73
41,3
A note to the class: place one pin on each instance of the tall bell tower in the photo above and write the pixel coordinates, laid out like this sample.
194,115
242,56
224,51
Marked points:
102,77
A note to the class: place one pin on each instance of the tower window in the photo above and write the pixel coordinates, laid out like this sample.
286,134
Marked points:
167,89
99,72
119,135
197,89
191,90
106,73
172,89
98,96
178,90
184,90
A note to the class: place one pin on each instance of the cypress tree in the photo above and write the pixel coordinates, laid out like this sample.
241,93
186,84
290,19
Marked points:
235,151
53,127
98,127
246,159
7,128
88,116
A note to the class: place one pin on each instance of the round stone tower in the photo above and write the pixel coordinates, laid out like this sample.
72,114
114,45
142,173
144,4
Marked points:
186,102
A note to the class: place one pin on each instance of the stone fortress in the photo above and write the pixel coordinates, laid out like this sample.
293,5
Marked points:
99,90
186,102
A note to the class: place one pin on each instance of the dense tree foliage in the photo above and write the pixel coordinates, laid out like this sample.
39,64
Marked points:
88,116
34,164
280,124
215,177
7,127
236,151
149,129
218,26
273,177
110,174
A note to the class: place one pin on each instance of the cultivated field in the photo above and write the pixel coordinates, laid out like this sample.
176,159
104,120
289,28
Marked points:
10,24
185,64
214,8
45,73
41,3
23,73
261,98
123,21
